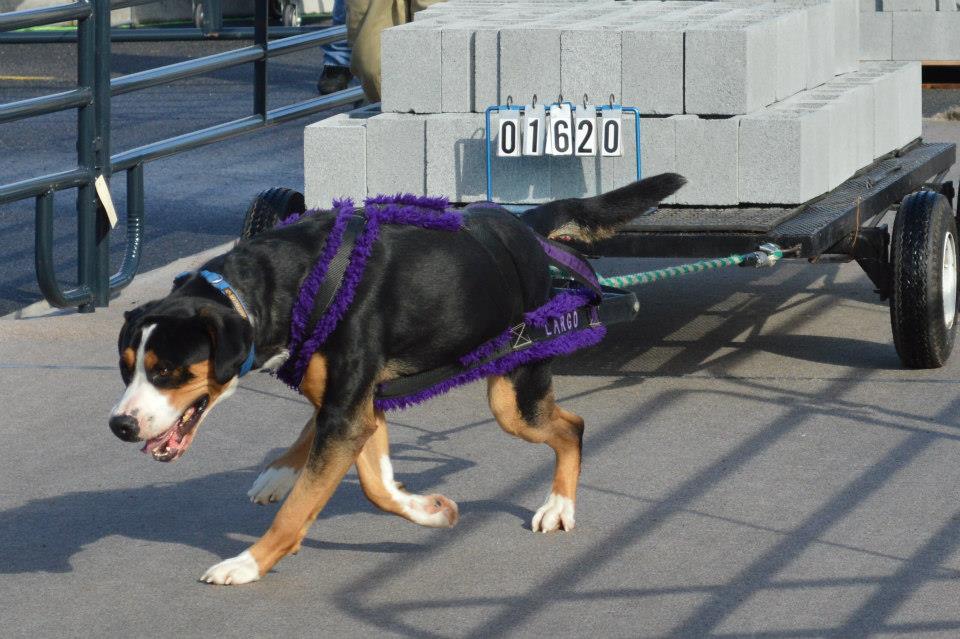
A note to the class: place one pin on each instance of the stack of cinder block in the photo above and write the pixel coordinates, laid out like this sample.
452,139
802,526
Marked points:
927,30
754,102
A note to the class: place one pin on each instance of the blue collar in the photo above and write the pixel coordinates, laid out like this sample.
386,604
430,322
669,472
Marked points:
218,282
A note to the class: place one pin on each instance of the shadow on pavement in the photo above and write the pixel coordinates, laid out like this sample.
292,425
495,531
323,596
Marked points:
205,512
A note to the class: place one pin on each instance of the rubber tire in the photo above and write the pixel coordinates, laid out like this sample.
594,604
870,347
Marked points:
269,207
920,334
291,15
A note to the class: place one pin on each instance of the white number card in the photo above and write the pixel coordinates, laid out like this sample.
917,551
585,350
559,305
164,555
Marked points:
508,138
560,140
585,131
611,133
534,130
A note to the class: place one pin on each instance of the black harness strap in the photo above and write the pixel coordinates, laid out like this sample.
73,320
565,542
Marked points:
338,266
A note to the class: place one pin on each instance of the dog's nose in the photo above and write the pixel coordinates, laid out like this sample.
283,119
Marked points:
125,427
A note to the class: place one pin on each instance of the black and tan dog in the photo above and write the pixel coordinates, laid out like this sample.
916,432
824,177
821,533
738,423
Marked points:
426,298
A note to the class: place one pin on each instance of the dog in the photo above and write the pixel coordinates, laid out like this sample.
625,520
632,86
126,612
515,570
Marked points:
425,299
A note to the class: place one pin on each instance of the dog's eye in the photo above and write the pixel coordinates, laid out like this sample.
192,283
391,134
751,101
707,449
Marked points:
162,371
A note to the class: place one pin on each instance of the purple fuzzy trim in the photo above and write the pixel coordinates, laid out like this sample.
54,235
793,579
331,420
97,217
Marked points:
362,250
562,345
414,216
308,289
439,204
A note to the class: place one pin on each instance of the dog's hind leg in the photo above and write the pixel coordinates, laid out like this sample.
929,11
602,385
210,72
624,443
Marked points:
278,477
523,405
376,479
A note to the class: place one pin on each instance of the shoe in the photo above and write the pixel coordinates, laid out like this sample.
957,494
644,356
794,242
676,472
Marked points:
333,79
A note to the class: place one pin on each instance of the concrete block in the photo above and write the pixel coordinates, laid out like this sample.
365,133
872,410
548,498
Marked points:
926,36
840,107
871,6
730,67
863,99
529,64
886,112
403,49
782,153
876,36
486,67
908,78
457,69
791,53
846,35
821,44
658,143
909,5
335,160
456,164
590,64
707,152
652,79
396,154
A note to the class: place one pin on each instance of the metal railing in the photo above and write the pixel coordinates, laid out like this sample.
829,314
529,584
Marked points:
212,27
92,99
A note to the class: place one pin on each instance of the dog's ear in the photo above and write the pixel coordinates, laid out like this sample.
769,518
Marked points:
131,319
231,338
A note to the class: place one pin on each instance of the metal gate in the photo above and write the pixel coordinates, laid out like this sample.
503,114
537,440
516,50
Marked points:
92,98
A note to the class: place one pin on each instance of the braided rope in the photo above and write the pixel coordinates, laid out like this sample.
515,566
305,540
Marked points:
646,277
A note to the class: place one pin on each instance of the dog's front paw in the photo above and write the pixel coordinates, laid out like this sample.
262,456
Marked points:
241,569
273,484
555,514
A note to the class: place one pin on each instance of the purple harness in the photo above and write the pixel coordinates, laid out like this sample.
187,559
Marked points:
564,324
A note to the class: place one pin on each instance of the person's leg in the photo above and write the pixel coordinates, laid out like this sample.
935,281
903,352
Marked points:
366,19
336,57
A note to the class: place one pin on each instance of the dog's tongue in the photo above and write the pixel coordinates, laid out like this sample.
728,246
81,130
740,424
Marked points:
169,442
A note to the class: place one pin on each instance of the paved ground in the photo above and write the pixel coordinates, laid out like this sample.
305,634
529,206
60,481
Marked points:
756,464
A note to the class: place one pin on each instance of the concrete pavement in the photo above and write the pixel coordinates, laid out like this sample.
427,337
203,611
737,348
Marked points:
756,464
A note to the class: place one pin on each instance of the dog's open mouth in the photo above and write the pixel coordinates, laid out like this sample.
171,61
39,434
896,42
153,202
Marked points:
174,442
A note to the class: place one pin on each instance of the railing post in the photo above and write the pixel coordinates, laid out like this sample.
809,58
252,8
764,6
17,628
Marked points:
101,105
86,158
261,13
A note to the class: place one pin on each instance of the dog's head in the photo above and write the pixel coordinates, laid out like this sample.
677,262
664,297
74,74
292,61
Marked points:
178,359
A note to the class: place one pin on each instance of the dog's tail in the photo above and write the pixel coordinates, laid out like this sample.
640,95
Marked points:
595,218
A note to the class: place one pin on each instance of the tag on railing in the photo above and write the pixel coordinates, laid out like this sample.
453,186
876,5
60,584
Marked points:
508,139
585,130
103,193
611,133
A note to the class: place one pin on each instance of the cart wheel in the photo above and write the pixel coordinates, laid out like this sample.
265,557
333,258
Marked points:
291,15
269,207
198,14
923,300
